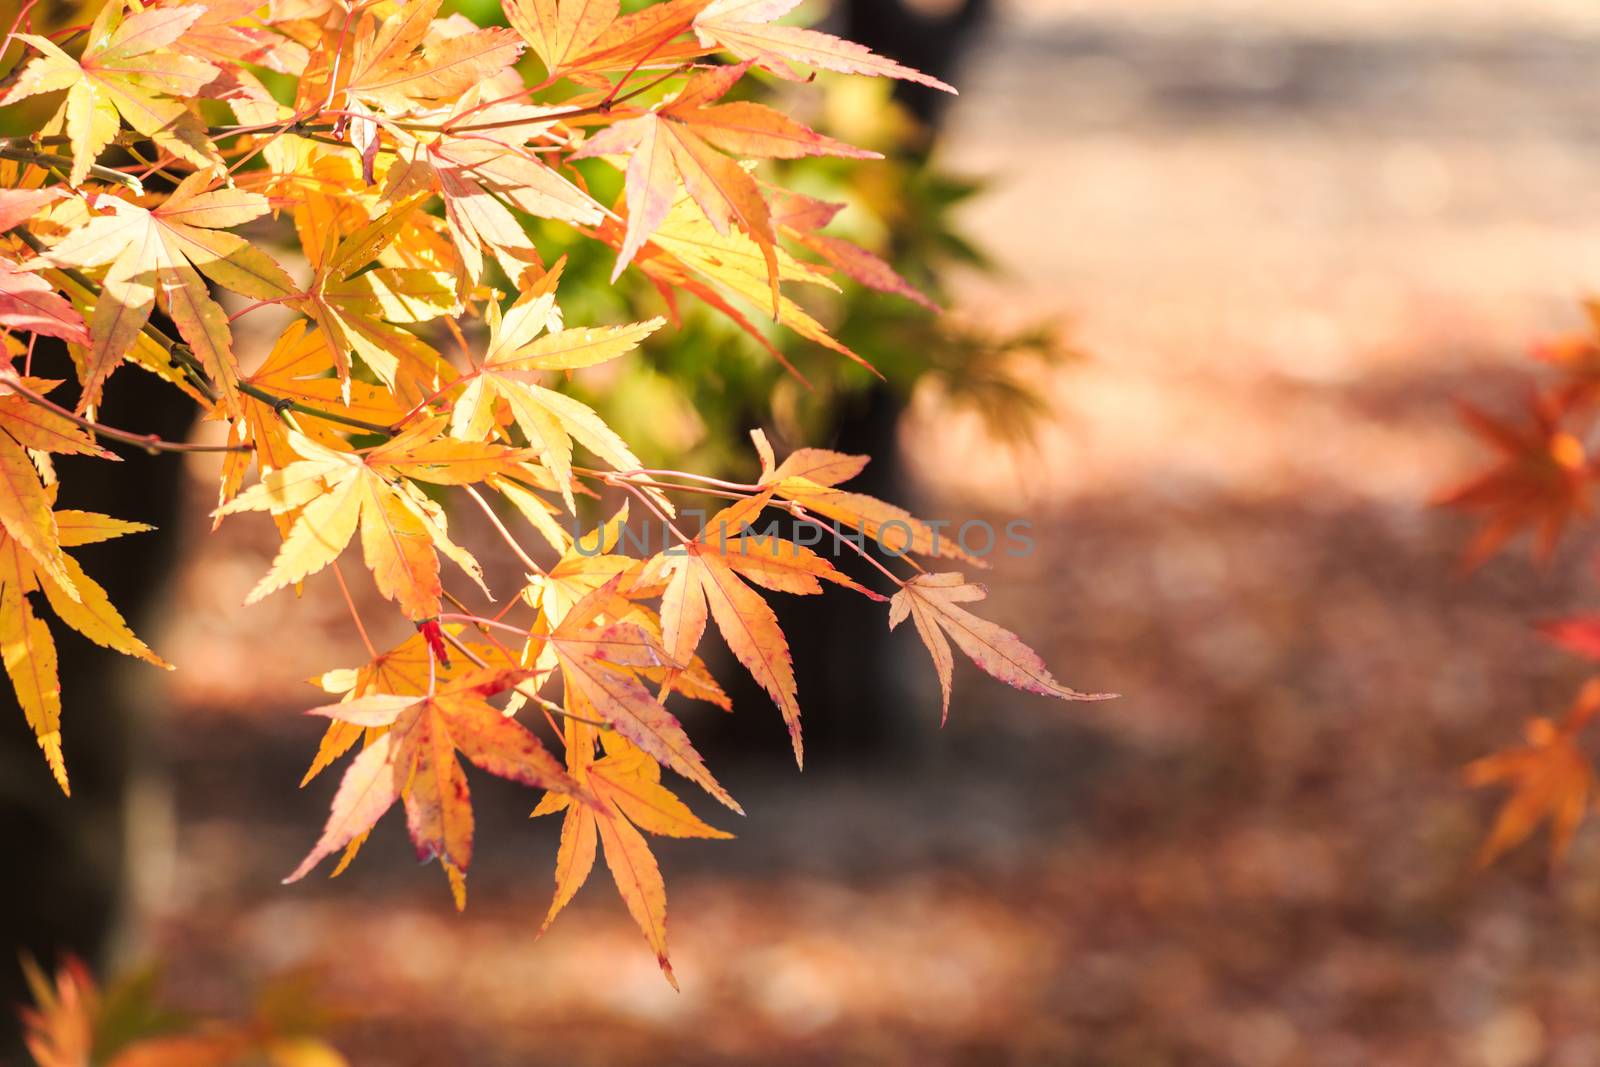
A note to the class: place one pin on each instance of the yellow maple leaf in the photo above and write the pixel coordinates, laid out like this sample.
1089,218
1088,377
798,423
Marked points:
627,784
77,600
128,71
334,493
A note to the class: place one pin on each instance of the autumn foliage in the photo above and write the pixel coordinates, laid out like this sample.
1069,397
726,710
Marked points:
1541,481
375,170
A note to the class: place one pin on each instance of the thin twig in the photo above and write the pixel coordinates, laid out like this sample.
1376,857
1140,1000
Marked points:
46,159
283,403
168,344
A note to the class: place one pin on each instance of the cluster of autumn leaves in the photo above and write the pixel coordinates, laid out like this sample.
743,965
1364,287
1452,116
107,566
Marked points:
1541,483
407,157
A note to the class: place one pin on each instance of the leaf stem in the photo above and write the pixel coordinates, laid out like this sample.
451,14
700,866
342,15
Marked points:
743,487
430,398
480,621
505,534
638,491
803,515
478,661
354,614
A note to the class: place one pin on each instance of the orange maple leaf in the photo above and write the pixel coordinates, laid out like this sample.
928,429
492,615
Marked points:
1540,481
1550,778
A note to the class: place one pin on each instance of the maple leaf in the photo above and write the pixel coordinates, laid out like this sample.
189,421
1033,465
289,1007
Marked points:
600,659
801,217
744,28
1580,634
401,530
706,581
74,1024
38,428
686,248
28,302
674,144
560,30
128,72
481,175
19,205
296,370
407,669
77,600
26,518
586,565
549,420
933,602
1550,779
222,35
353,307
155,252
809,476
386,68
1540,481
576,38
415,762
627,784
60,1027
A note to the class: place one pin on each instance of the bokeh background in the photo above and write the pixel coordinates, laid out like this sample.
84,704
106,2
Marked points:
1280,240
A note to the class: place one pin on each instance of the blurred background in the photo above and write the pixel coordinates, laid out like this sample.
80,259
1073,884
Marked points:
1243,258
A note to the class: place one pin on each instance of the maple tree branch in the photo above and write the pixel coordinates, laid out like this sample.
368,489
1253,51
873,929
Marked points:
55,162
395,426
281,404
182,356
147,441
40,139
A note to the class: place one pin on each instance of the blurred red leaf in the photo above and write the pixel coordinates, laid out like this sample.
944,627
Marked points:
1539,482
